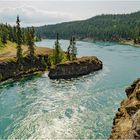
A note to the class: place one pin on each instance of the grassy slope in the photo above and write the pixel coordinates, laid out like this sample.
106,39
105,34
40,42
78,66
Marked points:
8,52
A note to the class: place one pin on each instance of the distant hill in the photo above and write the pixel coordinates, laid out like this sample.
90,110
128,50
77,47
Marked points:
102,27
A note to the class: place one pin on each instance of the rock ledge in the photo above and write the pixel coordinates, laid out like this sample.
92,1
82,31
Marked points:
9,69
72,69
126,124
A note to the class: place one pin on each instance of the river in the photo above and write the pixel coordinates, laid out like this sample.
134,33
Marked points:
37,107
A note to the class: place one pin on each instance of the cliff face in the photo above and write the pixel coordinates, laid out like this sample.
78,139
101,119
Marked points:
126,124
71,69
10,69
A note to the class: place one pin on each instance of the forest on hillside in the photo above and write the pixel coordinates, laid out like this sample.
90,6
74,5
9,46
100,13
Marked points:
102,27
8,32
26,36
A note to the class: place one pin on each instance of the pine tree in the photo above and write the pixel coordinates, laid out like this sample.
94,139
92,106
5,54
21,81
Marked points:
19,41
69,50
4,38
30,43
139,36
58,53
74,49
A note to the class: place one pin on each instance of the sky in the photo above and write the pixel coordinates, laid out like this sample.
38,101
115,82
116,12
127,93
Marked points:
44,12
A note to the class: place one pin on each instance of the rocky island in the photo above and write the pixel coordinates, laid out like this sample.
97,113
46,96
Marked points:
79,67
126,124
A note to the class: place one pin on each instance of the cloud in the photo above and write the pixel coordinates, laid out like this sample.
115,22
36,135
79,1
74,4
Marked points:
32,16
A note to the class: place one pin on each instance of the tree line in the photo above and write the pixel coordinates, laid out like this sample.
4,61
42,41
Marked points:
8,32
27,36
59,56
19,36
103,27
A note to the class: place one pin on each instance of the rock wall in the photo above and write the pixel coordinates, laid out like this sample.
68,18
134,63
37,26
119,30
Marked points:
126,124
71,69
10,69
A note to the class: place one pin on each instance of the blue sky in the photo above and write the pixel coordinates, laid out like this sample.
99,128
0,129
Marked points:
40,12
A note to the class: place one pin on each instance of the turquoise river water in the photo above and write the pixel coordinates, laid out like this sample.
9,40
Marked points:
37,107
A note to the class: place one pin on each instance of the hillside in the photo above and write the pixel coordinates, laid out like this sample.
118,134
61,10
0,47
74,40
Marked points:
9,51
102,27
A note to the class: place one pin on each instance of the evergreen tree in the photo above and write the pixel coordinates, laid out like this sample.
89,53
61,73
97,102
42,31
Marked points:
4,38
139,36
58,53
19,41
69,50
8,32
14,35
74,49
30,43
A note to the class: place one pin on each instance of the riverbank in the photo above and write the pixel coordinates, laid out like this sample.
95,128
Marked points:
9,67
123,42
129,42
69,69
8,53
126,124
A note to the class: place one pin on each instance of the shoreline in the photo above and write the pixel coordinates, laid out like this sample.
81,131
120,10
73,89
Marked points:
126,123
25,75
85,66
11,70
42,52
73,69
122,42
130,42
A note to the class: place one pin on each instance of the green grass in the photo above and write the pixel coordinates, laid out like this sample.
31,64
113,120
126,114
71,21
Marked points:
8,52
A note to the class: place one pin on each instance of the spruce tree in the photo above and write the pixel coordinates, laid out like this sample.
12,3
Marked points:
139,36
69,50
74,49
30,43
58,54
18,41
4,38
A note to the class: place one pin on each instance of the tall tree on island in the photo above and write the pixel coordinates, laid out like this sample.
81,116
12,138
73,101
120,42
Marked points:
74,49
30,43
18,41
69,50
58,53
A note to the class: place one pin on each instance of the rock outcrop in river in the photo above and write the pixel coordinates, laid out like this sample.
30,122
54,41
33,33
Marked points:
79,67
126,124
10,69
